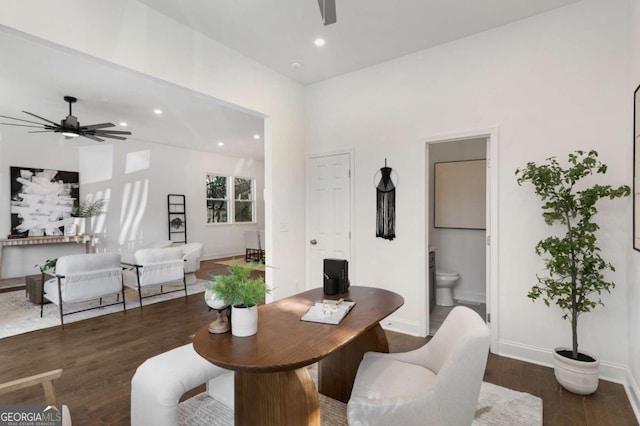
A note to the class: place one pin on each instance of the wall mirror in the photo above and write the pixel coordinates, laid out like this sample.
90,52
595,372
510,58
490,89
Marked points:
636,169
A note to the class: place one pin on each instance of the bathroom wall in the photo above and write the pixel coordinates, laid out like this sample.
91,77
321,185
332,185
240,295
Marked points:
459,250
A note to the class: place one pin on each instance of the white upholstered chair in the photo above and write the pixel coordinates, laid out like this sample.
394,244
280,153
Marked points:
46,380
83,277
437,384
128,255
192,253
159,382
155,267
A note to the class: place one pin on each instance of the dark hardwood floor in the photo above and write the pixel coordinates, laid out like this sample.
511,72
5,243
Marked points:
99,357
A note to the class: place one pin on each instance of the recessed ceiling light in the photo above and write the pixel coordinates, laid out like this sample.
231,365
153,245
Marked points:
157,111
295,64
220,143
123,123
256,136
319,42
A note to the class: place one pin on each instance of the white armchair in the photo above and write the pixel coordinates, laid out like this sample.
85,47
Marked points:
83,277
437,384
155,267
192,254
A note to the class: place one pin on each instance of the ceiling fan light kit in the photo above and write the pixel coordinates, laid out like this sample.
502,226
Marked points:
70,127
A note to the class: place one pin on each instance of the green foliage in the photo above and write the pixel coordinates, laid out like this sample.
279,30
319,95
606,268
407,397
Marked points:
575,266
88,209
48,266
238,288
176,222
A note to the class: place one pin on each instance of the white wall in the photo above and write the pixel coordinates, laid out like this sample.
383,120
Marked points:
550,84
633,272
137,210
129,33
459,250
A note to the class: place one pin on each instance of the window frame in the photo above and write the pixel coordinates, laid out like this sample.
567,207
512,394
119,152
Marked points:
226,200
251,201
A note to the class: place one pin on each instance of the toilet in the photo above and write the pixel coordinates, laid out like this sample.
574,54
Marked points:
445,281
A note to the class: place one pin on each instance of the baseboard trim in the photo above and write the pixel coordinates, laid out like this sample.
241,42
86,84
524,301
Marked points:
216,256
610,371
469,296
633,393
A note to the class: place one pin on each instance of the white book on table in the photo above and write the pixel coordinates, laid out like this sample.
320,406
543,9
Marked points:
328,311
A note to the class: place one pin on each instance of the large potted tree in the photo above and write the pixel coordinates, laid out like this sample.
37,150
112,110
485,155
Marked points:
572,257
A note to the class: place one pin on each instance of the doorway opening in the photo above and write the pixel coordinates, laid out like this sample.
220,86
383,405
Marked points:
458,196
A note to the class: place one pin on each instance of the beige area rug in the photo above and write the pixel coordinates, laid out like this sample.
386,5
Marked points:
239,261
497,406
18,315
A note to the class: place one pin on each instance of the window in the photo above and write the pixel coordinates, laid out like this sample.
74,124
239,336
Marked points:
243,199
217,199
228,203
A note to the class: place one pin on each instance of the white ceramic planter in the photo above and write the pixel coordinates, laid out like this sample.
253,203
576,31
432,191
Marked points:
579,377
244,321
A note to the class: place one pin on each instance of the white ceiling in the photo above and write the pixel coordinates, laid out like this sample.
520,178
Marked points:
35,75
367,32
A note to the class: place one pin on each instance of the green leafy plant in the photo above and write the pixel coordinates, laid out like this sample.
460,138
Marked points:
176,222
573,260
238,288
88,208
48,266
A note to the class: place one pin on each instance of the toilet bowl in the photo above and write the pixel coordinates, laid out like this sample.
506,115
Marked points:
445,281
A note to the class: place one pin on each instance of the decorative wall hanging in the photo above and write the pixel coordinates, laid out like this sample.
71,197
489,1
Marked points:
42,200
385,203
177,218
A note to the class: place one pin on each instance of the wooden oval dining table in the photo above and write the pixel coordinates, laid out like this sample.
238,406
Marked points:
272,383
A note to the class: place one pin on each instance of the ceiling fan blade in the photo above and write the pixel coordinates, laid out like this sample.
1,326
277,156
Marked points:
24,125
41,118
97,126
20,119
92,137
328,11
103,135
41,131
115,132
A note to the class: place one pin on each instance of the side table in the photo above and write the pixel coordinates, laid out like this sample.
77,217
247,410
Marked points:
33,287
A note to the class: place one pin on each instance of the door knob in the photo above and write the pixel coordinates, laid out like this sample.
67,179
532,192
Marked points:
313,242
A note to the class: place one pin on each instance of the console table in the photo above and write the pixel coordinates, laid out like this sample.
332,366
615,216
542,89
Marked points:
36,241
272,385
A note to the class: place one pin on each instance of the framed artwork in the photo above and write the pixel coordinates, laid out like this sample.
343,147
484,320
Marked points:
460,194
42,200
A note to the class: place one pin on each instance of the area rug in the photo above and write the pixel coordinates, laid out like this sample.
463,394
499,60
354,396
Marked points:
239,261
497,406
18,315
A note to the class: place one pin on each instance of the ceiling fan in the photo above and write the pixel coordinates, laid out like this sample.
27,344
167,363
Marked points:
328,11
70,127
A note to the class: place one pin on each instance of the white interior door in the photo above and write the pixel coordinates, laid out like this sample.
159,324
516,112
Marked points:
329,212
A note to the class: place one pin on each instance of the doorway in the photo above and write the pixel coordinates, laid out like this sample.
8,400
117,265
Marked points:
329,207
461,249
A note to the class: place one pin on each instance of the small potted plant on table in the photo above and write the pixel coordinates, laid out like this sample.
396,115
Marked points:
575,266
243,293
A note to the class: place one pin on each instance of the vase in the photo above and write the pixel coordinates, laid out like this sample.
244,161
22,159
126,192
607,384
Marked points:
580,377
244,321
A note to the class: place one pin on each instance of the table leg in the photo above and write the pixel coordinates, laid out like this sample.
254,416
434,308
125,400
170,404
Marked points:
337,372
278,398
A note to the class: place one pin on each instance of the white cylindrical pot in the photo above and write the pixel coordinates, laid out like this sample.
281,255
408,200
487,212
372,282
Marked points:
244,321
580,377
